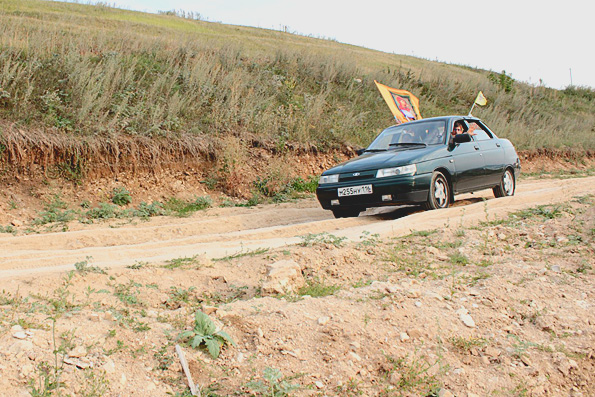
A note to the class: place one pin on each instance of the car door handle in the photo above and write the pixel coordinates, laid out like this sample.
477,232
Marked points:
476,147
497,144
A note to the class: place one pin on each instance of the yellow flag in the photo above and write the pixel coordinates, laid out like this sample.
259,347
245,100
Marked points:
481,100
403,104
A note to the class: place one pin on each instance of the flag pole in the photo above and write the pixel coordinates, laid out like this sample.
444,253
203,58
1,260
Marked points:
471,109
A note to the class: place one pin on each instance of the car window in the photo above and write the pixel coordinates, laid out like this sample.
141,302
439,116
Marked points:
428,133
478,133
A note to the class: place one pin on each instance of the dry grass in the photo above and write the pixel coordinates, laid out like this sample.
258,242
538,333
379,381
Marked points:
79,80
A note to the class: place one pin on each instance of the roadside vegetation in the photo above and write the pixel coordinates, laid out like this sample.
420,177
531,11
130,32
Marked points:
80,83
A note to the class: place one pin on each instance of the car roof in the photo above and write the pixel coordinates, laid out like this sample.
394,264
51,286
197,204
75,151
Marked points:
439,118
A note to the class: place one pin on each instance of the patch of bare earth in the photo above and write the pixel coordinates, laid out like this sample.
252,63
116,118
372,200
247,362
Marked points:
474,302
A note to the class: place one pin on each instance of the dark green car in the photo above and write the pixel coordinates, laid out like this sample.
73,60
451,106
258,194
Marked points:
421,162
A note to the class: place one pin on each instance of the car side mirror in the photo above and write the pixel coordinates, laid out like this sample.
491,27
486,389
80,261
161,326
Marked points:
461,138
361,151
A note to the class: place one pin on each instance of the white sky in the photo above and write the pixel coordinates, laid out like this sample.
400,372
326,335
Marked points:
530,39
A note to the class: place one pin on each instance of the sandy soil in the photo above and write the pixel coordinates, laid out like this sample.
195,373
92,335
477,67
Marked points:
405,285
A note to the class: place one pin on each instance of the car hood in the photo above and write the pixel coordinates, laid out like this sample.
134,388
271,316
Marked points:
391,158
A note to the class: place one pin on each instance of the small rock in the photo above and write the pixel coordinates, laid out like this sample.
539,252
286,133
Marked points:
467,320
79,351
260,333
395,379
16,223
19,335
94,317
283,277
319,384
445,393
458,371
240,357
403,336
209,309
323,320
16,328
418,303
556,268
492,351
355,356
355,345
526,361
414,333
109,366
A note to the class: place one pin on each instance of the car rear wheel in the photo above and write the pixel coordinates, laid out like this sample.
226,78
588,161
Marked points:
507,185
439,195
346,212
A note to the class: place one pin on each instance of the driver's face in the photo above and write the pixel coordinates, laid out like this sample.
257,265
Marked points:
457,130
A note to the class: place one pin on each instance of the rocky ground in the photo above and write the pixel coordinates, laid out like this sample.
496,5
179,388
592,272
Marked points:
501,306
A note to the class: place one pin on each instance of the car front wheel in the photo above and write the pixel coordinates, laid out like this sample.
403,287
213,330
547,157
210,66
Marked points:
507,185
439,195
346,213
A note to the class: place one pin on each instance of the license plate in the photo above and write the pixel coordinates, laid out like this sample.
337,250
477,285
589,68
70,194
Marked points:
354,190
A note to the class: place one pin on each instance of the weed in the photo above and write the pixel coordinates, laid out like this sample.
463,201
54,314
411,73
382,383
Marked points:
324,238
183,208
317,288
164,360
362,283
242,253
56,211
520,347
424,233
458,259
350,388
94,384
412,375
145,210
466,344
272,384
368,240
137,265
83,267
178,295
126,295
8,229
121,196
205,333
181,262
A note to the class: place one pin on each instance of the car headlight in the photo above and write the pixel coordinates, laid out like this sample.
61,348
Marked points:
328,179
405,170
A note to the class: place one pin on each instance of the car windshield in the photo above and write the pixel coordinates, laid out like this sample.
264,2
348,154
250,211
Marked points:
409,135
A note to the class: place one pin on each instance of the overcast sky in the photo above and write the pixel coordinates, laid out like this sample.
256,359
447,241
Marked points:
532,40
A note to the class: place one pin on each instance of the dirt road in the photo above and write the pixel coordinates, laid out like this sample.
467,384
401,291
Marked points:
220,232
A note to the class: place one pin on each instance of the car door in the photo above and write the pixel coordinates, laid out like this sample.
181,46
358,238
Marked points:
492,151
469,165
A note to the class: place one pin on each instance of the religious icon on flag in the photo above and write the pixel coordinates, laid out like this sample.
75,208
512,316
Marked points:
403,104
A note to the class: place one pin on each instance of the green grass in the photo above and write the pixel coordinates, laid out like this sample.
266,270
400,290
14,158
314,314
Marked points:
185,208
317,288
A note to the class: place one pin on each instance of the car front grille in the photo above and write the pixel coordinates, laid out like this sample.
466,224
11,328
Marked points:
356,176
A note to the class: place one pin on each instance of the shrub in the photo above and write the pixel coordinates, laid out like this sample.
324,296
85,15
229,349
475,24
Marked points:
121,196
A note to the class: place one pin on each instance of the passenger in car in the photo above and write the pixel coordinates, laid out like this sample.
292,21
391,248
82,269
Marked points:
459,128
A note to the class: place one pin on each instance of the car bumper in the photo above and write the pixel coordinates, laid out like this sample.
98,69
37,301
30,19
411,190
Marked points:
385,191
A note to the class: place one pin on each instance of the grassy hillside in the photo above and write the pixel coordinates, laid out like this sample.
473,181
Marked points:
73,75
